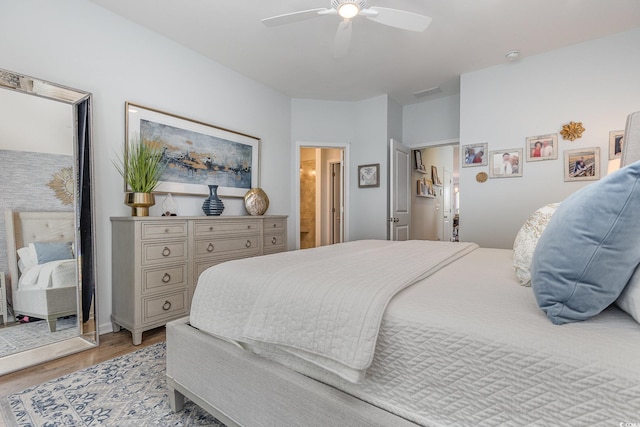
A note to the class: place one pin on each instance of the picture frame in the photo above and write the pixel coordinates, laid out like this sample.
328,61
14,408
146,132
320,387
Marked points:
471,156
505,163
542,147
417,156
616,138
369,175
198,154
434,176
589,170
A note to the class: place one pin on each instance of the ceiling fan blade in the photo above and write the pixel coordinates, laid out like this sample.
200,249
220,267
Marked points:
288,18
342,40
399,18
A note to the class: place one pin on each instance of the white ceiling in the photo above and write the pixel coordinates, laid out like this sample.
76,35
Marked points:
296,59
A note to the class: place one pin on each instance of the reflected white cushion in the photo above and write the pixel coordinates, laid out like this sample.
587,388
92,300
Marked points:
26,259
527,239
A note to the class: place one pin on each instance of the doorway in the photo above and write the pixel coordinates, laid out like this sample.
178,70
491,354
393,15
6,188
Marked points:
321,195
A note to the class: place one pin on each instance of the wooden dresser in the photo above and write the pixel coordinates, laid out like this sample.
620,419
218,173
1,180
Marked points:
156,261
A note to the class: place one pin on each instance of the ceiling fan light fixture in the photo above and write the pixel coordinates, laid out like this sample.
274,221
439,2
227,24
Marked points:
348,10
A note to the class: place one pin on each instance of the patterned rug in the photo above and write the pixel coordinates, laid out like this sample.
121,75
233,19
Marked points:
24,336
127,391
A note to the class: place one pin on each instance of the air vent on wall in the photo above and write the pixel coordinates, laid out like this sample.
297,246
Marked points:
427,92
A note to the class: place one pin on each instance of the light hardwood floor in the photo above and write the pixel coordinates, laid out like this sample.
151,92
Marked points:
111,345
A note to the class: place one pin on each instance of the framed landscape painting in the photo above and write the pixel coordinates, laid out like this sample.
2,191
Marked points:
197,154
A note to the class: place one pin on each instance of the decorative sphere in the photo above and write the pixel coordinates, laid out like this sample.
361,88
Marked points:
256,201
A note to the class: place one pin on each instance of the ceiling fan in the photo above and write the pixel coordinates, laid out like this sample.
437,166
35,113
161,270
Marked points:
348,9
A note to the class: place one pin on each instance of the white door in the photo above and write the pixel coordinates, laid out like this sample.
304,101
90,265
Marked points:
399,191
447,211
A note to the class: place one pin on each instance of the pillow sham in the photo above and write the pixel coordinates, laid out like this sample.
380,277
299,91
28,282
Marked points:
527,239
589,250
629,300
47,252
26,259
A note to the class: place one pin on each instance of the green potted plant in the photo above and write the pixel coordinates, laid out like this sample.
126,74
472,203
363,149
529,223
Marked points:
141,166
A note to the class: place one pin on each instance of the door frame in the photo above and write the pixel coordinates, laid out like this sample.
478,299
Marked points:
345,146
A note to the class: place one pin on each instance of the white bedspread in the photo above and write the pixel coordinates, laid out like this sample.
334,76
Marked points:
332,320
54,274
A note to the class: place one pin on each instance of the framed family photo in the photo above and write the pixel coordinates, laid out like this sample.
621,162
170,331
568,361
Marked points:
582,164
369,175
505,163
474,155
542,147
197,154
616,140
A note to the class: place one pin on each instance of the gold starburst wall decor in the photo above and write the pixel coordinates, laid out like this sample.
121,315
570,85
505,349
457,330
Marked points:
62,185
572,131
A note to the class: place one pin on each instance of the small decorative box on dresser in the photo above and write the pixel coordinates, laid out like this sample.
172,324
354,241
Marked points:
156,261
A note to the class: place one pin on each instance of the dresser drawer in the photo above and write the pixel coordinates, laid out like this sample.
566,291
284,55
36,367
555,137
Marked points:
214,227
164,229
220,246
164,278
276,224
165,307
201,265
274,242
154,253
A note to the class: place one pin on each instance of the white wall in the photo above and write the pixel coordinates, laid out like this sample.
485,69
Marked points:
595,83
362,125
80,45
431,122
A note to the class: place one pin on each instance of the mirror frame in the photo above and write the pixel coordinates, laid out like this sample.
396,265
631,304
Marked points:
81,103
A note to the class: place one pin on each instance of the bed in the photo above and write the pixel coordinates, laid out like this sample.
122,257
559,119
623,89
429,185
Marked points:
458,342
42,267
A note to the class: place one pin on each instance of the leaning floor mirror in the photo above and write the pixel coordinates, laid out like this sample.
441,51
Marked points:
47,253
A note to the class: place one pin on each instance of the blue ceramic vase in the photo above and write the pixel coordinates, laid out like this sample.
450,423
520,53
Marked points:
212,205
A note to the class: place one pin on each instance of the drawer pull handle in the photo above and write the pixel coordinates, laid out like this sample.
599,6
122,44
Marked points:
274,240
210,228
248,227
166,278
248,244
166,230
210,247
275,225
166,251
166,306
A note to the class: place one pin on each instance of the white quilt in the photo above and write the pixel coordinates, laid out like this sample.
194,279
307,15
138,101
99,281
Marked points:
54,274
324,305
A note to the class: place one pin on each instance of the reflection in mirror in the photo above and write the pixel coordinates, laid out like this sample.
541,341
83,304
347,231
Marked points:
47,272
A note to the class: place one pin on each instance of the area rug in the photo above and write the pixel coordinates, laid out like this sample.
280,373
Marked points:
127,391
18,338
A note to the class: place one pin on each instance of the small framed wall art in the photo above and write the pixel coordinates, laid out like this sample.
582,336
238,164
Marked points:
582,164
505,163
616,142
369,175
542,147
474,155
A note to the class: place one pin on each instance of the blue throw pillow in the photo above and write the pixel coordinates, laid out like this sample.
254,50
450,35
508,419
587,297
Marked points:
46,252
590,248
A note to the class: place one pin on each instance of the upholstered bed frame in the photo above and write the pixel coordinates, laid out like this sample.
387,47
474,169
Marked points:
28,227
240,388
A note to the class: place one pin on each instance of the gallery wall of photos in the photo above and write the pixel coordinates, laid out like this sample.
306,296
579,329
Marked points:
579,163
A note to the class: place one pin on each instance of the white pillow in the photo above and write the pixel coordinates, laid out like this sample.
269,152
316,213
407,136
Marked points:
26,258
527,239
629,300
